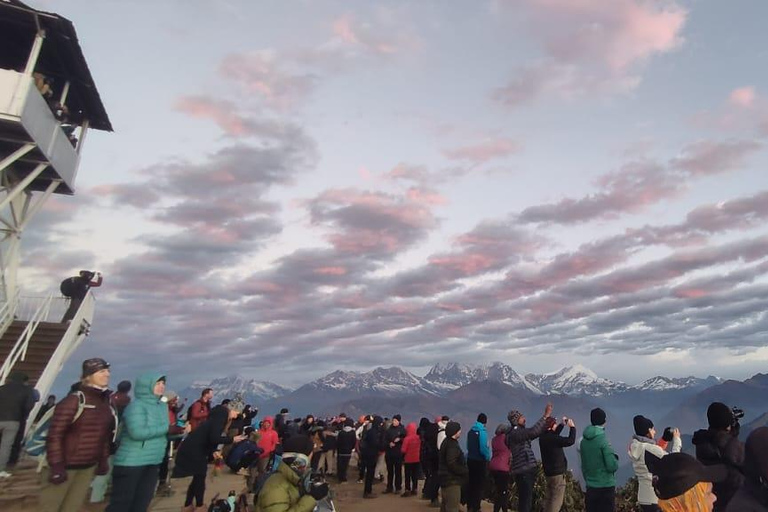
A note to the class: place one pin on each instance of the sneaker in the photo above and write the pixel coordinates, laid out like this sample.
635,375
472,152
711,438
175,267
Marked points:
5,474
359,481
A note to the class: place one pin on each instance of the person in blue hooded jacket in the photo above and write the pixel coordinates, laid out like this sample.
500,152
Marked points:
478,455
143,438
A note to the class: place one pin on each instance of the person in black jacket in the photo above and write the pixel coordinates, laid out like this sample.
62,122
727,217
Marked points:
753,495
452,468
192,457
523,463
16,402
553,460
719,444
429,456
345,443
394,455
371,444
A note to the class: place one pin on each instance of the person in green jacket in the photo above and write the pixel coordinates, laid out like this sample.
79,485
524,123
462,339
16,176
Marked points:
143,439
599,464
289,489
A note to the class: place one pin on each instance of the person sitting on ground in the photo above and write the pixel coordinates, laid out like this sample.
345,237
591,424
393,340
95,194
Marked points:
682,483
553,460
267,442
719,444
523,468
753,494
452,468
289,488
643,441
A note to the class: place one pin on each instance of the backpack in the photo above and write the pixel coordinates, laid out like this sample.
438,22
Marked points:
242,455
258,484
66,287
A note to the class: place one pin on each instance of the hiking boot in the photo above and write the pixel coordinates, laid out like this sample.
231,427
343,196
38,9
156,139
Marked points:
370,495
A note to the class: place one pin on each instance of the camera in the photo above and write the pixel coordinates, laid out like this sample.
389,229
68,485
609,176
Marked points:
737,413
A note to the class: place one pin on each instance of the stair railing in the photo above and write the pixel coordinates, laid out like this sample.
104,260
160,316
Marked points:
8,312
19,351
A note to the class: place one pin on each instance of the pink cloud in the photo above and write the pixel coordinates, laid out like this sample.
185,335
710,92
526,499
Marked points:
706,158
222,112
743,97
374,38
484,151
331,271
425,196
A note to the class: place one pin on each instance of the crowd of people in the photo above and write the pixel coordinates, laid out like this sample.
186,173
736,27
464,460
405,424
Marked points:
94,437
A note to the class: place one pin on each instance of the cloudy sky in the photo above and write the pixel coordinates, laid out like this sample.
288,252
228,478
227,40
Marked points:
299,186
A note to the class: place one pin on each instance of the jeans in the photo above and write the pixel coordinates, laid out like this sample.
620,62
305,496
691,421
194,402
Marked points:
132,488
411,476
524,483
475,483
555,493
394,472
501,482
600,499
8,429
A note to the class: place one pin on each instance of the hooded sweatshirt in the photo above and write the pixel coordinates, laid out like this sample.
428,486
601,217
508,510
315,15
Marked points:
145,426
268,440
637,449
599,463
411,445
477,443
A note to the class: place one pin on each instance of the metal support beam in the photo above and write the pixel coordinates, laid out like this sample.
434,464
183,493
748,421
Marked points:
38,204
23,150
35,53
22,185
64,94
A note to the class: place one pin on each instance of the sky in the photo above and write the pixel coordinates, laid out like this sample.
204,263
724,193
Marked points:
295,187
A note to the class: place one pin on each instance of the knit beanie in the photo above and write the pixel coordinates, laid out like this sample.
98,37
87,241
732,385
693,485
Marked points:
124,386
503,428
397,417
93,365
482,418
719,416
451,428
597,417
642,425
513,416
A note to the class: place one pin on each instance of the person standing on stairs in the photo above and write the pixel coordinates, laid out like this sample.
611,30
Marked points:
76,288
16,401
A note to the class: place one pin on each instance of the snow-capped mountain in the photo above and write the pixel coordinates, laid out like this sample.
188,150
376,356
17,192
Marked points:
450,376
575,380
252,390
660,383
385,381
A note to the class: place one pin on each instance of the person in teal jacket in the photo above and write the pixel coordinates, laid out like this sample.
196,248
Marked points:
143,438
599,464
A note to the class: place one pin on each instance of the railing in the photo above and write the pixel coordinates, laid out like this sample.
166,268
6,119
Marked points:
8,312
30,305
19,351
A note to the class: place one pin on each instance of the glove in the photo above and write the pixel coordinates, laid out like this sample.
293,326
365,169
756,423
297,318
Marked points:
319,491
58,474
102,468
175,430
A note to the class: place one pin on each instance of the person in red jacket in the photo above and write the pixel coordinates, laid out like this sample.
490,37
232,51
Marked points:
78,448
200,409
267,442
412,456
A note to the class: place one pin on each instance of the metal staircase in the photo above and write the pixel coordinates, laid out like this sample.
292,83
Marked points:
42,345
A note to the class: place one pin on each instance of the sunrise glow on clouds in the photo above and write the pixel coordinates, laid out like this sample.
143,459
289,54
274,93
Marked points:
321,185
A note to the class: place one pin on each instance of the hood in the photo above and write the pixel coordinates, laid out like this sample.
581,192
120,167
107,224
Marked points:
637,450
410,430
267,423
593,431
145,386
478,427
377,421
702,436
442,424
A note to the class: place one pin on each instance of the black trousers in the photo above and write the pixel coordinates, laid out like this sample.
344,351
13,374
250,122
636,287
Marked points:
411,476
342,463
650,508
164,465
525,483
74,305
394,471
431,486
501,482
370,468
475,483
132,488
196,490
600,499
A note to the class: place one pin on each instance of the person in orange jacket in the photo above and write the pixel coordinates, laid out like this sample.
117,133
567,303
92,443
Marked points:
412,457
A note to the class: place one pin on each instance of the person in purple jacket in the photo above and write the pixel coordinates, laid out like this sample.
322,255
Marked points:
499,468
